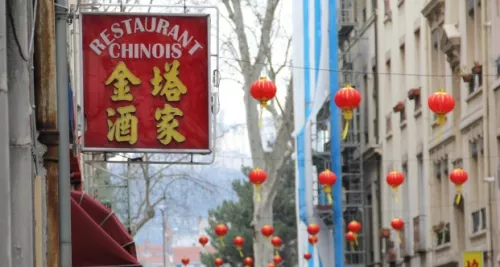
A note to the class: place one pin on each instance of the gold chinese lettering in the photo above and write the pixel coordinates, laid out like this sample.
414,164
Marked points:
122,77
167,124
124,128
168,84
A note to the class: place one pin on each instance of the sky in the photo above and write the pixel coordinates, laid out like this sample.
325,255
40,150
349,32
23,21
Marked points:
232,150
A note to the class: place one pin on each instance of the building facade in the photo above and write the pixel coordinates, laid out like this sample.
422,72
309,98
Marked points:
425,46
397,53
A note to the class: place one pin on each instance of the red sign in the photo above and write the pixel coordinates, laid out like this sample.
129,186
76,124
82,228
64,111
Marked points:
146,82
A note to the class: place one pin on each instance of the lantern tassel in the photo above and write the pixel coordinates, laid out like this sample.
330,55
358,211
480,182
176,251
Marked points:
399,237
356,239
440,120
395,192
221,240
347,117
240,251
328,191
277,253
459,194
263,105
257,193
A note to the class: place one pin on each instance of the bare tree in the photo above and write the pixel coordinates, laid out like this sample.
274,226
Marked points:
143,187
270,156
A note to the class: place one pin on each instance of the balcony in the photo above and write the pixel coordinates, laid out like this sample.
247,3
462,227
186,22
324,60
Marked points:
419,234
346,19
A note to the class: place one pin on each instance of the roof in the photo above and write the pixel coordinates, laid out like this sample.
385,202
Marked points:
98,242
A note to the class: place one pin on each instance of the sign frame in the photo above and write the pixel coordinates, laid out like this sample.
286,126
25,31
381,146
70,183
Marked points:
211,73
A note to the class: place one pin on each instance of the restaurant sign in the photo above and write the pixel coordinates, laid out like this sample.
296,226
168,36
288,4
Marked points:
146,82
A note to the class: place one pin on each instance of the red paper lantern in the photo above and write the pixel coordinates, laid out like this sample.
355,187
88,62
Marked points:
257,177
327,179
271,265
263,90
398,225
355,228
185,260
248,262
221,231
441,103
347,99
307,256
239,242
395,179
351,238
218,262
458,177
313,229
277,259
312,240
203,240
276,241
267,230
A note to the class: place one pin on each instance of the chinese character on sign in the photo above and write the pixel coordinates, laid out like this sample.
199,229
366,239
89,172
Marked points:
124,128
167,124
168,84
474,263
122,77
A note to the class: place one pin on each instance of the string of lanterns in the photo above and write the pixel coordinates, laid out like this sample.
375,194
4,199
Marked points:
347,99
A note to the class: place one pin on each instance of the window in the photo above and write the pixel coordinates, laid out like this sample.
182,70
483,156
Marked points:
417,57
388,124
443,236
483,218
497,62
479,220
437,170
366,109
418,102
421,184
387,7
388,75
476,82
363,10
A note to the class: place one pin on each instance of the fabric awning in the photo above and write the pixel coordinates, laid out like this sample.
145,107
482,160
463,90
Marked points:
98,237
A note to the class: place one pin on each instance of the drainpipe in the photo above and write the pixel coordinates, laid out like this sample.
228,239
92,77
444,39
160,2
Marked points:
378,256
46,120
5,196
61,26
375,76
486,125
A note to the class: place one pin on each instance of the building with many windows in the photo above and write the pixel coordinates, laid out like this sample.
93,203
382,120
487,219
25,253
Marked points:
397,53
425,46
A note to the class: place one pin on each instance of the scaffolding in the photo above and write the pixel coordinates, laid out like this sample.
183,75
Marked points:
356,200
354,191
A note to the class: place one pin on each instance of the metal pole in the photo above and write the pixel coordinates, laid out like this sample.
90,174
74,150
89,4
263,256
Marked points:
64,128
163,238
129,220
338,220
5,195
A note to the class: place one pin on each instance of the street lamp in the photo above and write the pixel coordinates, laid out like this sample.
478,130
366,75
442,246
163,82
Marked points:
163,230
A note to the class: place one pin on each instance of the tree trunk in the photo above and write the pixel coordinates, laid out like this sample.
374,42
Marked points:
262,247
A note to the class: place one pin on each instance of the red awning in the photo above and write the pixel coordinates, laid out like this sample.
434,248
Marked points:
98,237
